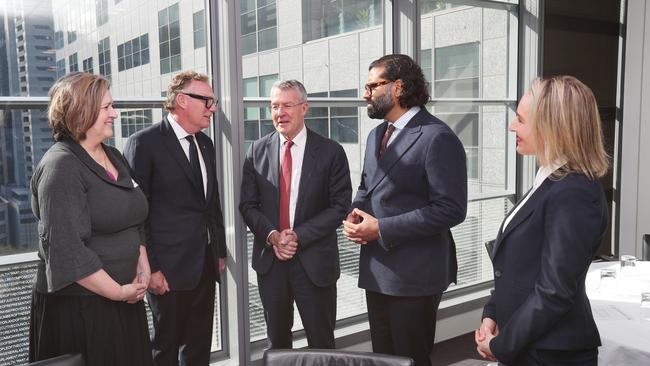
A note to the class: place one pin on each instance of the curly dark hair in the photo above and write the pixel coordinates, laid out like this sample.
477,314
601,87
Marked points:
415,91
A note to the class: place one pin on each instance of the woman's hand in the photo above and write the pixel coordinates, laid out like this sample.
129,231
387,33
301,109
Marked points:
482,336
132,292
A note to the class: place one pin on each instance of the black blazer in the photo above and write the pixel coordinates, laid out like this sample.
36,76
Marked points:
179,212
324,198
418,192
540,263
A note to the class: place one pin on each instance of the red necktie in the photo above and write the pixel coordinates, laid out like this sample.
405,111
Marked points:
384,140
285,186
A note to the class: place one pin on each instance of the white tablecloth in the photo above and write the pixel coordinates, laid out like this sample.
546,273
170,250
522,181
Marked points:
617,311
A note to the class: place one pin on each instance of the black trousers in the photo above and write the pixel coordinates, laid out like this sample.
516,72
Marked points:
183,322
285,283
403,326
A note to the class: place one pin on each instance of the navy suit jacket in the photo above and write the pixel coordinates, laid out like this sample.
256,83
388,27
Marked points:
179,211
418,192
324,196
540,263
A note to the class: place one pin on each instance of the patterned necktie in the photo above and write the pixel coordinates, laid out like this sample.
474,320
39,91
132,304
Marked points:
194,160
384,140
285,186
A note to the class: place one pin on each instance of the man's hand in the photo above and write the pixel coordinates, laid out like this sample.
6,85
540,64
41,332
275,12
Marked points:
483,336
285,244
361,227
158,284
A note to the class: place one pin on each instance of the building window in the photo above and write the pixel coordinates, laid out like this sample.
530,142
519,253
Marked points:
134,121
104,54
425,64
133,53
457,76
88,65
58,40
258,26
199,29
101,9
74,65
72,36
341,124
60,68
324,18
169,33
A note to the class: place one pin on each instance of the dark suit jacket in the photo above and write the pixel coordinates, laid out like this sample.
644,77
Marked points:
417,191
540,263
324,198
179,212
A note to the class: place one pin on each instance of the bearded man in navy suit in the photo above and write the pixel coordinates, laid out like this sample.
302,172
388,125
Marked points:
413,190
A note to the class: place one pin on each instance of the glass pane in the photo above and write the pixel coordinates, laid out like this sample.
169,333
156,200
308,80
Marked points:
327,18
249,44
266,17
247,5
268,39
266,82
248,24
318,125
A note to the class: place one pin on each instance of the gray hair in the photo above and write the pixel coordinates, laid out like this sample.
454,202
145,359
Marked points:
291,84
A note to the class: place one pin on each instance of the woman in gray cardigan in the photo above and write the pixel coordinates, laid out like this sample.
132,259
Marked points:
93,270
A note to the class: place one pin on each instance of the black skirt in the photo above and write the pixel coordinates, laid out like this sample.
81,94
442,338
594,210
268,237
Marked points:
105,332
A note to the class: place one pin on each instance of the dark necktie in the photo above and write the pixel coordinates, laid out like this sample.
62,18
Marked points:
285,186
194,161
384,140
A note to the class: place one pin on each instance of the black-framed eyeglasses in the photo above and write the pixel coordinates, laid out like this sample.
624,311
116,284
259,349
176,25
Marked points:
209,101
372,86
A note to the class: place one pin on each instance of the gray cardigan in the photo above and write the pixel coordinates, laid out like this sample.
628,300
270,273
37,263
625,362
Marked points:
86,221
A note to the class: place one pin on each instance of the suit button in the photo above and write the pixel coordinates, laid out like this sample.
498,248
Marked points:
497,273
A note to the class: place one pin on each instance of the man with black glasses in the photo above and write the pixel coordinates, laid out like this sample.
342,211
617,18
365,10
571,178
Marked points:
174,164
413,190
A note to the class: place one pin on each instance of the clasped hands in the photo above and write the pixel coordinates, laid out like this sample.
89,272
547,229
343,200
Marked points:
361,227
285,243
483,335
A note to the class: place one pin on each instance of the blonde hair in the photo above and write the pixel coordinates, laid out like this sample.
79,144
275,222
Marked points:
567,126
178,83
75,101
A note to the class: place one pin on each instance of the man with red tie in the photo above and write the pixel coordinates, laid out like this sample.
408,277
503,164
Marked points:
295,192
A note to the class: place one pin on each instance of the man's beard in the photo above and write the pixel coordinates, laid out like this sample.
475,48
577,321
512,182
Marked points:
380,106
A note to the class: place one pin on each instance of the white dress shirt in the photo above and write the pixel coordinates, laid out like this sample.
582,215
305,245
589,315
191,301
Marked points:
181,134
401,122
542,173
297,155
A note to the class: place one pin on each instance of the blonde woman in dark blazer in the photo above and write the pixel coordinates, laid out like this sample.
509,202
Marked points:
539,313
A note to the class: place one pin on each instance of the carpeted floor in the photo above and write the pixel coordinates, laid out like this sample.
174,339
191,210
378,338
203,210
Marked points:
459,351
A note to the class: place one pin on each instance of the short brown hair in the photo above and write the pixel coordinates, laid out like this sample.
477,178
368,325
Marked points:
178,83
567,126
75,100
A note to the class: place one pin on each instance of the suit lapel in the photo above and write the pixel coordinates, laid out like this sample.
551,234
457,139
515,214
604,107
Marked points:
524,212
394,152
273,154
309,161
176,151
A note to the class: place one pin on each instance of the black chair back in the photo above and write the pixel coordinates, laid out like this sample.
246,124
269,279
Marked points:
326,357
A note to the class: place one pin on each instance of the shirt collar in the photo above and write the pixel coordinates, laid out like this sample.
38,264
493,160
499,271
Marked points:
299,140
406,117
546,170
181,134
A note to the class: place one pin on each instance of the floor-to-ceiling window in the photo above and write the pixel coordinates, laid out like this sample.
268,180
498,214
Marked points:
468,50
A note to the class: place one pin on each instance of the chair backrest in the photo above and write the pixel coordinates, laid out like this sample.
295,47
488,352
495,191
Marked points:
65,360
326,357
